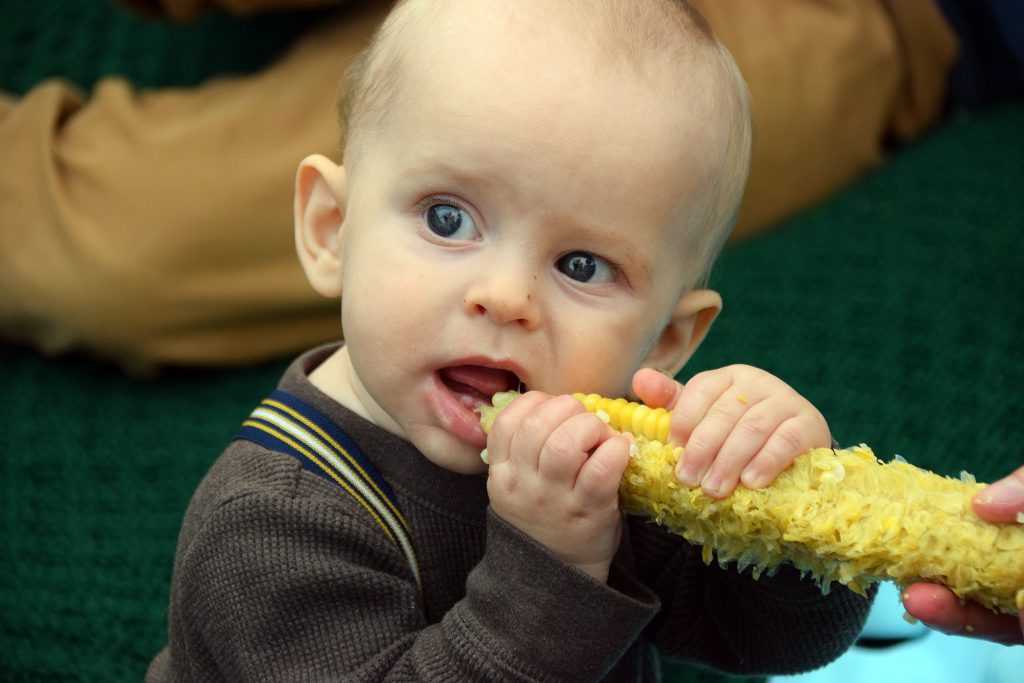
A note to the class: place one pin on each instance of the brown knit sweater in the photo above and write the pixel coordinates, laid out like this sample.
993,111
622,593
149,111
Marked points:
280,575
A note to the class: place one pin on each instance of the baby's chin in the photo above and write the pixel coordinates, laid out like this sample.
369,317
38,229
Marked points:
449,452
470,464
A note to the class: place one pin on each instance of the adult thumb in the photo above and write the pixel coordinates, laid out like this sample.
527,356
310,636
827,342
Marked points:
1003,501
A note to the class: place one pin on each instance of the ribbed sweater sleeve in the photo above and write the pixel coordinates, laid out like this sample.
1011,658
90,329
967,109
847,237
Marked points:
525,605
277,581
727,619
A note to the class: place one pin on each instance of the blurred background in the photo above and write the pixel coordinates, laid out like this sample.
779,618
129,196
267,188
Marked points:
149,295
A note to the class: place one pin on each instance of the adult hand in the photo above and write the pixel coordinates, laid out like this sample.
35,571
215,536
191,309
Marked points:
940,609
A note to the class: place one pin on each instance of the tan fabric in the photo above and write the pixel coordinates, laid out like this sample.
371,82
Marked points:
155,227
927,48
829,82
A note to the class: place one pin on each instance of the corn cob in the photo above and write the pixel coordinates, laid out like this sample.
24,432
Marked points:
841,515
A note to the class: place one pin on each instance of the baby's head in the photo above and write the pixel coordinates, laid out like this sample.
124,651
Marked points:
666,44
531,194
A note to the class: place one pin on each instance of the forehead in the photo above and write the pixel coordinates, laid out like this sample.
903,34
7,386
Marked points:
497,87
539,40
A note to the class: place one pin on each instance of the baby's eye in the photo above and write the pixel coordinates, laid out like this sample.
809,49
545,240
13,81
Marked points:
450,222
584,267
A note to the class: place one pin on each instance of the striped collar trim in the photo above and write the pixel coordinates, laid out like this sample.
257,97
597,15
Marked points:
286,424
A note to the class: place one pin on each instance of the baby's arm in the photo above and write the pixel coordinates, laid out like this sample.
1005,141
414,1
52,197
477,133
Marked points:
737,423
270,558
554,475
724,618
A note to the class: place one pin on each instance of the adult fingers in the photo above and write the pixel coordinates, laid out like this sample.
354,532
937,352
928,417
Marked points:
1003,501
941,610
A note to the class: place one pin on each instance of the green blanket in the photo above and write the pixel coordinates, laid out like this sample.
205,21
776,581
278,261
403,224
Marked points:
896,307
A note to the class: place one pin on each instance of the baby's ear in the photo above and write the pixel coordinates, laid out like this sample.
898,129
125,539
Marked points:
320,196
691,319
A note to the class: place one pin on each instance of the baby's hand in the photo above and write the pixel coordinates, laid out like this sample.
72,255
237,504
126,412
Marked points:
737,423
554,475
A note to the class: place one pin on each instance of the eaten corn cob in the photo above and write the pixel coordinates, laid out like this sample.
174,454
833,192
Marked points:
841,515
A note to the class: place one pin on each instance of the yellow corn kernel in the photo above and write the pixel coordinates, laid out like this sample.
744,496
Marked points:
842,516
626,416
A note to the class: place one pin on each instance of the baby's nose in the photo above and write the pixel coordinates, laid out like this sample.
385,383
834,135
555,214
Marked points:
506,295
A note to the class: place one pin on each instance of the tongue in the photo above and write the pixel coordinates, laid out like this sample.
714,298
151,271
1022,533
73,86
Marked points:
487,381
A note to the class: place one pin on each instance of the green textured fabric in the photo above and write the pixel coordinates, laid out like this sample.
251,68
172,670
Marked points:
895,306
85,40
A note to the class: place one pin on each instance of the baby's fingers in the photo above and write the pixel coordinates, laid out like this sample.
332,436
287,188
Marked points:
763,440
569,446
728,440
656,389
702,394
791,438
707,436
598,481
508,426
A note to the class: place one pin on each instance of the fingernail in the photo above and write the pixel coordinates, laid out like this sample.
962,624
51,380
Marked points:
753,478
712,484
1004,492
689,475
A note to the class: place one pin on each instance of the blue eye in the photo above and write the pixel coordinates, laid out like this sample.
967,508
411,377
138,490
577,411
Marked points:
584,267
450,222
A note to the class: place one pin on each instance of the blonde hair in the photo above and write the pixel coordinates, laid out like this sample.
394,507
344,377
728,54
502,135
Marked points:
722,210
639,31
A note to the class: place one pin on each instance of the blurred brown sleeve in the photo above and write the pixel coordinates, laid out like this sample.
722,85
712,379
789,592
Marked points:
155,227
832,82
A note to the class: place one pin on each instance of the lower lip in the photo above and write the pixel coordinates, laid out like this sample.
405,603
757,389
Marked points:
455,416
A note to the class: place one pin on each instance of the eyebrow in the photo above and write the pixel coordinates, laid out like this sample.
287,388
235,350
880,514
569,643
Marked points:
460,176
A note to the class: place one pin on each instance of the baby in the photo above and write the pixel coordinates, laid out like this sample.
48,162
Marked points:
532,195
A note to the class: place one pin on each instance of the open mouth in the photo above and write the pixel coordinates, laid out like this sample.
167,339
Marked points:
475,384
